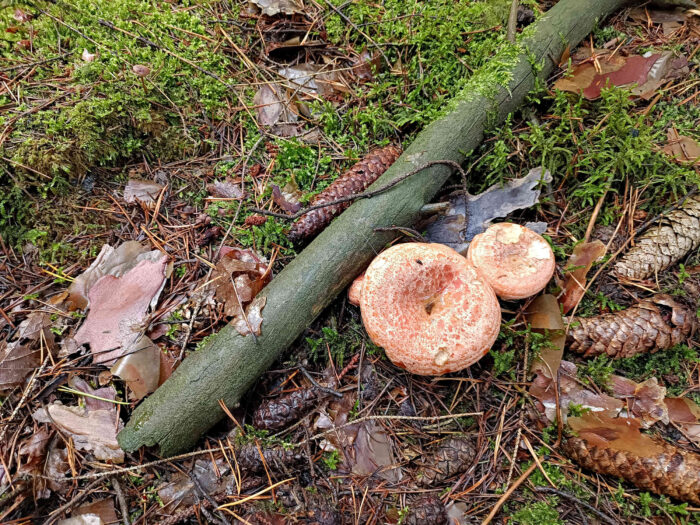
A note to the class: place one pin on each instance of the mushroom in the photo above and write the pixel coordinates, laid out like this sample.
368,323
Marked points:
428,308
355,290
513,259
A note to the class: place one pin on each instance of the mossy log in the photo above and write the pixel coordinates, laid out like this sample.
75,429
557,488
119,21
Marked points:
187,404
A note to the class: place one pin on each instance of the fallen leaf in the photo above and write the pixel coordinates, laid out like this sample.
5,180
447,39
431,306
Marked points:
91,430
143,191
644,400
110,261
283,201
82,519
103,508
275,7
544,316
646,72
681,148
180,490
32,451
20,357
245,270
273,109
118,307
21,16
253,313
140,367
580,262
225,189
454,230
686,414
87,56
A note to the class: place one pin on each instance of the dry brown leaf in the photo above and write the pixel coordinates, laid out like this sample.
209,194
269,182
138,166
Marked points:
681,148
580,262
253,313
118,307
20,357
140,367
143,191
543,316
372,453
283,201
274,110
275,7
647,73
91,430
686,414
104,508
225,189
245,270
644,400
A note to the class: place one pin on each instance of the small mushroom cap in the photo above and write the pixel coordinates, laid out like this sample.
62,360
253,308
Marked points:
513,259
355,290
428,308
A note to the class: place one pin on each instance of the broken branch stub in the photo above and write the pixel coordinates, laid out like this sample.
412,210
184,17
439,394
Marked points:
187,404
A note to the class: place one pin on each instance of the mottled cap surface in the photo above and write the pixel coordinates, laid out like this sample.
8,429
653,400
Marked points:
514,260
428,308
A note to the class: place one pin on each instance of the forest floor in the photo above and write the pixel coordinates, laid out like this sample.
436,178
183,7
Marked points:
167,123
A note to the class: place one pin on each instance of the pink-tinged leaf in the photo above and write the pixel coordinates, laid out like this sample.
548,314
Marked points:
282,201
644,400
87,56
110,261
140,367
372,453
580,262
143,191
686,414
225,189
118,307
21,16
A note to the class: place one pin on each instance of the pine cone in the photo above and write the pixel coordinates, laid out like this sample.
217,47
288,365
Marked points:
651,325
451,457
277,413
426,511
277,459
677,234
673,472
353,181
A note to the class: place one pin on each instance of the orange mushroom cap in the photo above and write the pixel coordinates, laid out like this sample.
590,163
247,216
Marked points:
355,290
513,259
428,308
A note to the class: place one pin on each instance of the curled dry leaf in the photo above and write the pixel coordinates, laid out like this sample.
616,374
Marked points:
580,262
456,231
118,309
252,322
544,316
571,392
225,189
676,235
87,56
243,269
683,149
275,7
616,447
285,201
655,324
20,357
144,191
92,428
140,367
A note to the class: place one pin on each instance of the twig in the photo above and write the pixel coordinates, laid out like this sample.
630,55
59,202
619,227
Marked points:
318,386
67,506
364,195
512,22
508,493
571,497
122,501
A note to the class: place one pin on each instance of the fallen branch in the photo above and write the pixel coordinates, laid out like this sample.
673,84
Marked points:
187,404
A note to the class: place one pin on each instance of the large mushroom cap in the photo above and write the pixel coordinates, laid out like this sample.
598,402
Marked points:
428,308
513,259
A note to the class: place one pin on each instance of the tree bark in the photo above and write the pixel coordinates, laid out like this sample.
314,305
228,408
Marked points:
177,414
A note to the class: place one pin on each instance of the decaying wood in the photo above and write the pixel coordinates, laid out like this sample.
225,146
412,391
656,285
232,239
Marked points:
655,324
673,238
187,404
352,182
